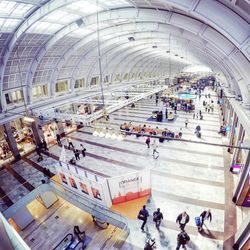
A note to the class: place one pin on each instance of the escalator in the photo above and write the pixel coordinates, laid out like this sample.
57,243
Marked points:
69,243
65,243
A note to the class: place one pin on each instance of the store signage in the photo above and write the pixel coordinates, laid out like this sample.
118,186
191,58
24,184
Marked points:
129,187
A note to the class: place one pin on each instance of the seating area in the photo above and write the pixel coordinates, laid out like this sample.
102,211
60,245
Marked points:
144,130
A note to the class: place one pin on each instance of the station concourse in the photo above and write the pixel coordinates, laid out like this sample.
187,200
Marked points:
111,105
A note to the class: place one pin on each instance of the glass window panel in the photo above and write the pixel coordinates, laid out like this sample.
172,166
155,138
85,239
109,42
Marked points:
8,24
21,9
44,28
60,16
6,7
13,97
84,7
7,98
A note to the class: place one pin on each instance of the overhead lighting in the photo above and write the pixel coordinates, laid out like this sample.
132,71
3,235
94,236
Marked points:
28,119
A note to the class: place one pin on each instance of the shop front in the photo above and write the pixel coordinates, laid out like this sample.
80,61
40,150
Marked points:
5,152
23,134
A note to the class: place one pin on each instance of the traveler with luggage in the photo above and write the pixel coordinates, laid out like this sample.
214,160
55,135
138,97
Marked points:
205,215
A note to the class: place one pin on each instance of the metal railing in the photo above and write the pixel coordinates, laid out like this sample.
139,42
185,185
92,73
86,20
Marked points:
87,119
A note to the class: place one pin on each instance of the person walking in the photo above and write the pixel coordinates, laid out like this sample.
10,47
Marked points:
186,122
154,147
182,219
70,143
83,149
205,215
77,154
58,139
45,147
182,239
143,215
180,133
157,217
148,141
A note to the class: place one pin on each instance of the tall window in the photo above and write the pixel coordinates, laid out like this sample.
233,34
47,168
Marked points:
14,97
94,81
39,91
62,86
79,83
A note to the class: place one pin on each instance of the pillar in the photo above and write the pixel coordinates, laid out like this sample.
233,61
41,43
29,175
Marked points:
238,143
237,198
232,132
60,128
242,240
11,141
37,132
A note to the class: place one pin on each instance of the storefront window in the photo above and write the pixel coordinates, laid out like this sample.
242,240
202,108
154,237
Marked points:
5,153
23,135
50,131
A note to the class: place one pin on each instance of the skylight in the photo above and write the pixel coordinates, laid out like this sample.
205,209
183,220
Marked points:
61,17
197,68
14,9
114,3
81,32
44,28
84,7
8,25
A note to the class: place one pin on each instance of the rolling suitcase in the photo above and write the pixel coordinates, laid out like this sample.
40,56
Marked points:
198,223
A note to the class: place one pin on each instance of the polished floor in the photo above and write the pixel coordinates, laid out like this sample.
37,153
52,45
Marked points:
51,226
186,177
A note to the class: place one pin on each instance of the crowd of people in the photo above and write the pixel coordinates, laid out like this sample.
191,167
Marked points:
182,219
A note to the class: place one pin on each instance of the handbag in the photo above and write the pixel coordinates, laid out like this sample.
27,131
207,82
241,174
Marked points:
140,216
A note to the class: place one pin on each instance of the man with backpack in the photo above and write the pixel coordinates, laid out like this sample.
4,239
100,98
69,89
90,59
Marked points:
157,217
182,239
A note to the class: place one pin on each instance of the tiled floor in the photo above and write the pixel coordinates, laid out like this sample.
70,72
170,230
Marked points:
49,228
186,176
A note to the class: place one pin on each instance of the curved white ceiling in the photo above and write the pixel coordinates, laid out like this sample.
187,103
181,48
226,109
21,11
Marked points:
57,39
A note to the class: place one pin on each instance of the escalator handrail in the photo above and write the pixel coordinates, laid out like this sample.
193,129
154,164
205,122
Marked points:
80,242
72,239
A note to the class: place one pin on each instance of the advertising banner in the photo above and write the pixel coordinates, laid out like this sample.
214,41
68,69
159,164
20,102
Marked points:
84,186
129,187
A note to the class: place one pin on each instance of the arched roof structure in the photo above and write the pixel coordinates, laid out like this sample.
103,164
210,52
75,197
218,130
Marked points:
44,41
